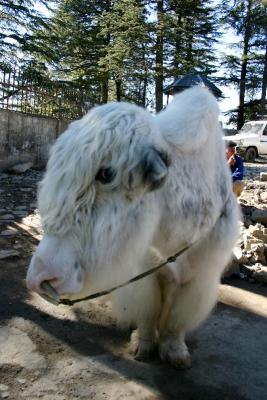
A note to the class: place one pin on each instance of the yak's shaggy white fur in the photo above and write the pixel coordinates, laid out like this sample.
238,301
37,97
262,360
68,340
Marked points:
170,186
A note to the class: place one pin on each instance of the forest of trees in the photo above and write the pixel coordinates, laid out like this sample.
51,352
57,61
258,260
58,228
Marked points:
131,49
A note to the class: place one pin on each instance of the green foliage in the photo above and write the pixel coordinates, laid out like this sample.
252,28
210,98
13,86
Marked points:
124,58
17,19
110,47
252,112
192,35
97,45
245,68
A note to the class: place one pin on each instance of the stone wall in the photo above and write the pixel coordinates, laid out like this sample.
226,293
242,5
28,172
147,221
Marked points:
27,138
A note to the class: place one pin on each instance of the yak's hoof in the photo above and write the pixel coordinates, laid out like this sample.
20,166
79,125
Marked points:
176,354
141,349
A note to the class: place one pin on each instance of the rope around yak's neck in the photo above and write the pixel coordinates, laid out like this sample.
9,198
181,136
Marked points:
52,296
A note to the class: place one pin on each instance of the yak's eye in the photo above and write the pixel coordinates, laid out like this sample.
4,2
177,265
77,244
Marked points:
105,175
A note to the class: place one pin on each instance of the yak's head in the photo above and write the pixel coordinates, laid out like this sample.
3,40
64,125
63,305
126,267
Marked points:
97,200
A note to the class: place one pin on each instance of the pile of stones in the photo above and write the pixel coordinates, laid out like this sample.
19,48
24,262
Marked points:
250,254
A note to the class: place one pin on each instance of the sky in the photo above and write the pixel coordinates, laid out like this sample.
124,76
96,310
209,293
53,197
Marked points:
230,102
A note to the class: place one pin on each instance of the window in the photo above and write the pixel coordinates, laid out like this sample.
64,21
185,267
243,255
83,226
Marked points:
251,128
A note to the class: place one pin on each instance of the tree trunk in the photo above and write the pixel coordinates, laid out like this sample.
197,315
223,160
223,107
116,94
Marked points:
244,62
144,81
118,89
263,110
144,91
189,45
105,78
104,90
177,54
159,58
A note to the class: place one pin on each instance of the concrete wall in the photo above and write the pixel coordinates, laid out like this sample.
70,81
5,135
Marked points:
26,137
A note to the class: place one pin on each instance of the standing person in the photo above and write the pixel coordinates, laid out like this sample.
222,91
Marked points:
236,165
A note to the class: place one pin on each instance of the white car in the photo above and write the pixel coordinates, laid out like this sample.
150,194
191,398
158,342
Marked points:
251,140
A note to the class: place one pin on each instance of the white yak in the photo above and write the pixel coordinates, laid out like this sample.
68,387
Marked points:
123,191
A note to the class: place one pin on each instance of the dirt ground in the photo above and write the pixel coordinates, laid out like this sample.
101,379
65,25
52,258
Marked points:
61,353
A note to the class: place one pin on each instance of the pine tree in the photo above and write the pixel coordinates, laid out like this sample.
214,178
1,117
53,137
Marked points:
185,35
17,19
193,36
159,56
71,46
124,56
124,49
247,70
101,46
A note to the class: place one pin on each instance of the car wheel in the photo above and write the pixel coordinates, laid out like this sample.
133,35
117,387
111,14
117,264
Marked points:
251,154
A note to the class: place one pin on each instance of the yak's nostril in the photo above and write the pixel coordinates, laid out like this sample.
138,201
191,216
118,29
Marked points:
53,283
49,293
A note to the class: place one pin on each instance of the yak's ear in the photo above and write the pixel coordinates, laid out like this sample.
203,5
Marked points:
190,119
155,167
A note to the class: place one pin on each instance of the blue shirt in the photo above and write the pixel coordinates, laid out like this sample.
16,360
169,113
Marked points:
237,169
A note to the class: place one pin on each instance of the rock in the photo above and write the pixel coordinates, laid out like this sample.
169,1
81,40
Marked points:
7,217
263,176
259,216
20,168
249,240
258,272
9,232
250,185
3,211
3,388
18,246
4,395
8,253
26,189
247,222
239,256
20,214
263,197
247,210
21,381
237,253
21,208
3,242
258,253
259,232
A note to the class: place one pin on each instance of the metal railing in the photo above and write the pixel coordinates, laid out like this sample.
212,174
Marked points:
29,92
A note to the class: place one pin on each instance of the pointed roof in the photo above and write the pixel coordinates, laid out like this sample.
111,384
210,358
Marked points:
192,79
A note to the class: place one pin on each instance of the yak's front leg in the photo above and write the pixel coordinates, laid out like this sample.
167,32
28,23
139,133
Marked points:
173,349
139,305
143,340
193,300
